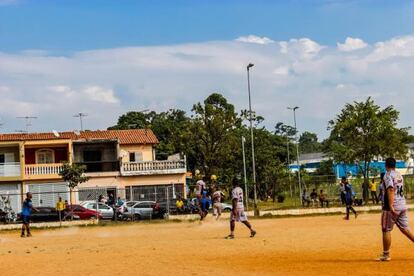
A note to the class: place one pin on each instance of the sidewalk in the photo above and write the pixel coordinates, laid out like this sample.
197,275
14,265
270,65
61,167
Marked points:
294,212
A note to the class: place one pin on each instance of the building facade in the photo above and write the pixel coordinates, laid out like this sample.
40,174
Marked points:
117,162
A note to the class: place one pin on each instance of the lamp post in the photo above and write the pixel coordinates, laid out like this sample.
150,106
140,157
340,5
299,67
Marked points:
256,211
245,174
297,148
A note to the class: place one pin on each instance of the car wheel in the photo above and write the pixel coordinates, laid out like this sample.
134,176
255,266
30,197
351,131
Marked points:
137,217
93,217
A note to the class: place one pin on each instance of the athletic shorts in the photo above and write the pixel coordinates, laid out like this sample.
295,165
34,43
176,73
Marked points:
388,219
239,217
26,219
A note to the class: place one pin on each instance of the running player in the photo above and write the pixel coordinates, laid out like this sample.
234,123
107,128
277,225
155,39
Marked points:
217,206
26,213
200,189
237,213
394,210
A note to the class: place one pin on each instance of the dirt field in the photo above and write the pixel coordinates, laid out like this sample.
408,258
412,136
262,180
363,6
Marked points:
292,246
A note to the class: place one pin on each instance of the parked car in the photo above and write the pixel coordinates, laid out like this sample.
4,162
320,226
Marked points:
44,214
106,211
142,210
82,212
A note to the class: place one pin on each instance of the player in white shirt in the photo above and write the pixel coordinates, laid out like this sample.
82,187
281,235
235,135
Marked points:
217,206
237,213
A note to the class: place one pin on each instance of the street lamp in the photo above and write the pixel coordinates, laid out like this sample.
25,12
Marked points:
245,174
250,65
297,148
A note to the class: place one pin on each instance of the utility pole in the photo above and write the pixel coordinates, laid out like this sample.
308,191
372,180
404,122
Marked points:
27,121
297,149
80,115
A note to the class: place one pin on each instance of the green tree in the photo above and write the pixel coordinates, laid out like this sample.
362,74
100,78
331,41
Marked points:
363,131
72,174
308,142
213,144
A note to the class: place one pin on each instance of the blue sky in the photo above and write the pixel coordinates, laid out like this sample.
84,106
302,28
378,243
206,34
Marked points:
92,24
106,57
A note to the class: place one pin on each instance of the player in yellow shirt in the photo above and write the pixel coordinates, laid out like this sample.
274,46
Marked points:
60,208
373,189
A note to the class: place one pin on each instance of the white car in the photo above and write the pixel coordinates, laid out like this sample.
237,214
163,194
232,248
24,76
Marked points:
106,211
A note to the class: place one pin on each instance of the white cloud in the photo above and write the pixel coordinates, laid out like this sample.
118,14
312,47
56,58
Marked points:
106,83
395,47
303,47
351,44
255,39
101,94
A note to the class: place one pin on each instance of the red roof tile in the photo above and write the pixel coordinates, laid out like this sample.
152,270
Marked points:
125,137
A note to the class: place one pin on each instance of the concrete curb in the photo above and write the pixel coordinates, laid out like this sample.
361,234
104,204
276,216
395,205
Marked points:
292,212
49,224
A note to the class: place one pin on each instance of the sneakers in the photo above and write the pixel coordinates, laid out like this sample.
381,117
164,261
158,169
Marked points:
29,235
230,237
252,234
22,236
384,258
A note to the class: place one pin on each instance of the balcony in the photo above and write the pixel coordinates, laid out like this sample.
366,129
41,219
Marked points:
153,167
10,169
100,166
43,171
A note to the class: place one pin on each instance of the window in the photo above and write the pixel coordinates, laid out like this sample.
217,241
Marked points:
103,207
135,156
45,156
1,158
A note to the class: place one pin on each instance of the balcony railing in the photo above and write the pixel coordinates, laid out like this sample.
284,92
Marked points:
153,167
43,169
10,169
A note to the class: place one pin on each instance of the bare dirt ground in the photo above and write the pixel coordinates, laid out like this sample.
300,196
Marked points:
324,245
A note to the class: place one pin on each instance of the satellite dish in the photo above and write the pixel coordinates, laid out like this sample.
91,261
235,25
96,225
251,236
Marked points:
56,133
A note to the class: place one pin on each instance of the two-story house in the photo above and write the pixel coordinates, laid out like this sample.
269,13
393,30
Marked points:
118,162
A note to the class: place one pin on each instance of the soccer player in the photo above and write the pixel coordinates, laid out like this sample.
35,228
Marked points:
394,210
217,197
237,213
200,189
26,213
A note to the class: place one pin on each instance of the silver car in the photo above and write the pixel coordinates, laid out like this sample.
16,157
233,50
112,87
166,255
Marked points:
137,210
106,211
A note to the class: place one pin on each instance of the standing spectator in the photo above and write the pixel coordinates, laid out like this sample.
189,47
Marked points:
349,198
26,213
373,189
179,204
111,200
323,199
60,209
119,201
314,197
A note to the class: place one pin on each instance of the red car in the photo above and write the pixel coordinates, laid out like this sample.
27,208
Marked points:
82,212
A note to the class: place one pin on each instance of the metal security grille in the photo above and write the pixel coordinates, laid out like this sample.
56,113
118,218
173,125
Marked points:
11,192
47,194
164,194
87,194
